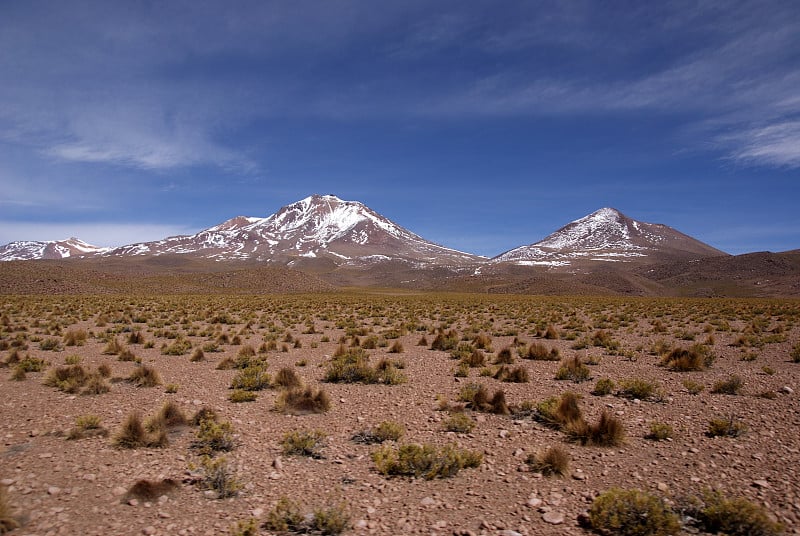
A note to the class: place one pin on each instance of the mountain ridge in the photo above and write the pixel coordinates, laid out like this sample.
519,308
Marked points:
348,233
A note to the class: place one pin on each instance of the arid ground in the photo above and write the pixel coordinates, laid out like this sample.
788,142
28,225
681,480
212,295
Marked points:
71,366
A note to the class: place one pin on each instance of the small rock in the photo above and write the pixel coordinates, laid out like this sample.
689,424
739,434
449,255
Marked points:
509,532
518,453
786,390
534,502
149,531
760,484
164,515
440,524
277,464
133,502
503,434
257,512
662,487
119,490
53,490
579,475
210,494
361,524
7,481
428,502
553,517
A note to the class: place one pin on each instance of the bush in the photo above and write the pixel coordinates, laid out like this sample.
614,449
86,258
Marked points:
539,352
515,375
731,386
240,395
133,435
285,516
75,337
559,412
694,388
608,431
251,378
150,490
460,423
698,357
795,353
302,401
659,431
504,357
218,476
722,427
573,369
213,436
632,513
445,341
178,347
304,443
735,517
551,462
640,389
476,358
426,461
604,386
50,344
69,379
87,426
385,431
330,520
145,376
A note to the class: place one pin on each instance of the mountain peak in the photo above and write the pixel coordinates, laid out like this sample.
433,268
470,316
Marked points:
607,235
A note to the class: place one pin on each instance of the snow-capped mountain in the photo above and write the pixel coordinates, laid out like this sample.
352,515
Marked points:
25,250
319,226
608,235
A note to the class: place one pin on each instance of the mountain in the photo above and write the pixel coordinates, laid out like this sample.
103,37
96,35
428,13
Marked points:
25,250
317,227
608,235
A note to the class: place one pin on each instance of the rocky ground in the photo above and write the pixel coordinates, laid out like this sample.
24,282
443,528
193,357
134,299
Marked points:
61,486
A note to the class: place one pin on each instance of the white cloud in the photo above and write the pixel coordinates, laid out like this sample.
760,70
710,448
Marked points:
773,145
98,234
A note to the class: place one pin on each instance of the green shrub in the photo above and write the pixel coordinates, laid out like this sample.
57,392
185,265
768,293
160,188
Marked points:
304,443
551,462
636,388
693,387
218,476
659,431
50,344
245,527
251,378
632,513
31,364
735,517
573,369
385,431
240,395
330,520
426,461
460,423
178,347
604,386
87,426
731,386
285,516
721,427
213,436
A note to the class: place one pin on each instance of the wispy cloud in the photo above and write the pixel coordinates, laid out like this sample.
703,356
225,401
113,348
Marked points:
773,145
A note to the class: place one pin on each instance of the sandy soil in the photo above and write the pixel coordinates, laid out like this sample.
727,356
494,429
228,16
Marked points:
60,486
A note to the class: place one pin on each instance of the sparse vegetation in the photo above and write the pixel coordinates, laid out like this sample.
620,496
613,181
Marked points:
632,513
426,461
725,427
300,401
553,461
659,431
731,386
573,369
304,443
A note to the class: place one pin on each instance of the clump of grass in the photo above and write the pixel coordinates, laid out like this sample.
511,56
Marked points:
693,387
31,364
197,356
697,357
795,353
287,378
132,434
113,347
608,431
553,461
50,344
731,386
603,387
445,341
245,527
539,352
632,513
426,461
636,388
477,398
288,516
251,378
240,395
218,476
459,423
169,416
659,431
179,346
145,376
573,369
559,412
87,426
504,357
722,427
302,401
385,431
75,337
304,443
475,359
515,375
213,435
735,517
75,378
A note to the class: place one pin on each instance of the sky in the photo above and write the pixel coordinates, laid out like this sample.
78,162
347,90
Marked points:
479,125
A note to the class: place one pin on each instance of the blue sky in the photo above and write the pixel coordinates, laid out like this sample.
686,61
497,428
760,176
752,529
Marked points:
478,125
